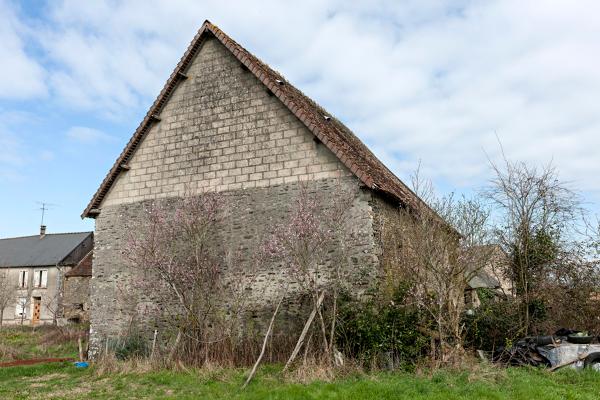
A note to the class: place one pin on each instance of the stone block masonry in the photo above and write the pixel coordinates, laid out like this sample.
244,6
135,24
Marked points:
222,131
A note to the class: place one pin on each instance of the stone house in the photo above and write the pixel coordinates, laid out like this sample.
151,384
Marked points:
76,299
492,277
226,122
32,269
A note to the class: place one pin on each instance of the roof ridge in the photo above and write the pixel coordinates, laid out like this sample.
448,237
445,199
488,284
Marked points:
338,138
47,234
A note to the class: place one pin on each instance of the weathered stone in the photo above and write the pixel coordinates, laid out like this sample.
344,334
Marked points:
221,131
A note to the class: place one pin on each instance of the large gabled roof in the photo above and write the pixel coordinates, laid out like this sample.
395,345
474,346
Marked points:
349,149
37,251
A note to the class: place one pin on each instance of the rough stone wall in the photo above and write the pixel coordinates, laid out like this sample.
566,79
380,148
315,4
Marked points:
253,213
76,298
222,131
386,228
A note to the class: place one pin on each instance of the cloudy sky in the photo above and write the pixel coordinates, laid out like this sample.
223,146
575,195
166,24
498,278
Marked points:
434,81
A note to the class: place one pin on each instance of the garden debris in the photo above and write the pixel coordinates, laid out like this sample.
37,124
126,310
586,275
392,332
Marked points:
565,348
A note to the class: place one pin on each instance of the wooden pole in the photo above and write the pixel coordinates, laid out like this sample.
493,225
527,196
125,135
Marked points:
80,348
304,331
153,343
264,345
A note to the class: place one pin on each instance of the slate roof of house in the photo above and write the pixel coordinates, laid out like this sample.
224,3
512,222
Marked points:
83,269
496,260
35,251
484,280
349,149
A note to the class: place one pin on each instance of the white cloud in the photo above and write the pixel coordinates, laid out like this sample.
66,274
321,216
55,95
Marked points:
13,155
87,135
418,80
21,76
10,156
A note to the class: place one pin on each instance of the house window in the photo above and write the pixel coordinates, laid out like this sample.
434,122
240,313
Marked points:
22,279
21,310
40,279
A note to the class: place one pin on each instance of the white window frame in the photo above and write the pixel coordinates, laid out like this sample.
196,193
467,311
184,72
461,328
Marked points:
21,309
23,279
40,279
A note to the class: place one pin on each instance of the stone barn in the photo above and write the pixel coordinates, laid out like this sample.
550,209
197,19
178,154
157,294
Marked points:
226,122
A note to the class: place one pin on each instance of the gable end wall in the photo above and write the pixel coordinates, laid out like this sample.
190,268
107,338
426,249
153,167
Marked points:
221,131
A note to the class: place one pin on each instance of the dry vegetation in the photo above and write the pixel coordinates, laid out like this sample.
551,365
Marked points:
25,342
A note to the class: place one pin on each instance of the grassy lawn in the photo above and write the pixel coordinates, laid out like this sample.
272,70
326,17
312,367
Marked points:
58,381
25,342
64,381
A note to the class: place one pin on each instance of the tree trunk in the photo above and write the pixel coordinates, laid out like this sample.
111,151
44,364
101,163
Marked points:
175,345
307,325
264,345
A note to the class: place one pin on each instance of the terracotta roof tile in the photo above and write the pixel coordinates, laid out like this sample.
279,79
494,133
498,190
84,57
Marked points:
84,268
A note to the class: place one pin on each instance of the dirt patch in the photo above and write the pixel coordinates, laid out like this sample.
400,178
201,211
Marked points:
16,363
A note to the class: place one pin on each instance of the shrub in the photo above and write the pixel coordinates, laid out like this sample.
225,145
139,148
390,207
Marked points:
134,345
382,334
495,322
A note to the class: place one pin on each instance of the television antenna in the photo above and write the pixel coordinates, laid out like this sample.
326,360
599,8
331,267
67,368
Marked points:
45,207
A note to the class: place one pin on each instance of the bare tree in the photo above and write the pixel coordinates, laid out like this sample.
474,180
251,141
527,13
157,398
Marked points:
439,247
175,250
535,211
568,290
28,298
594,240
8,293
303,243
53,305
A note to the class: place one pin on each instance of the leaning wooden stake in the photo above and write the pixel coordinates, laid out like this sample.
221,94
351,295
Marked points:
264,345
153,344
80,349
300,341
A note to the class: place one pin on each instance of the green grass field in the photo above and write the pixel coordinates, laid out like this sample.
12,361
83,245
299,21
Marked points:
24,342
64,381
